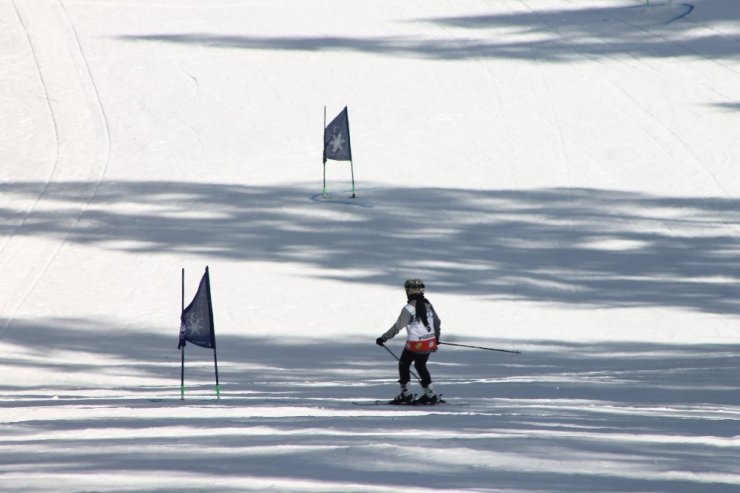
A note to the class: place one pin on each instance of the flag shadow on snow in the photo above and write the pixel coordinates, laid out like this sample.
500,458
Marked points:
581,247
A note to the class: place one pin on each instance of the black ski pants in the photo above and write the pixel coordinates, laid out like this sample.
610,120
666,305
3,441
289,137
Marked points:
420,363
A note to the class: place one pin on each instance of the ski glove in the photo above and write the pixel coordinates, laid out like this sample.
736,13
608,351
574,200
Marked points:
379,341
181,344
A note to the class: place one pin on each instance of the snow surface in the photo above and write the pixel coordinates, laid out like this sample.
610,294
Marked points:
562,174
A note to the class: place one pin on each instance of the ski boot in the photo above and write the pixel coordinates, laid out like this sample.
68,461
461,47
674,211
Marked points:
402,399
405,397
429,397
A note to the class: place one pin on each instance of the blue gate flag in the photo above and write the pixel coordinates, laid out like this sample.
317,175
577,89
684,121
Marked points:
336,138
196,321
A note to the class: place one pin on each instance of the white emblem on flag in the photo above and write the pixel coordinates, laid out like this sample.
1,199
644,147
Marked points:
194,324
337,141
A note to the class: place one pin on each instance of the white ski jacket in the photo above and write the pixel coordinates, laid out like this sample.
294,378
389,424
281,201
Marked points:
419,338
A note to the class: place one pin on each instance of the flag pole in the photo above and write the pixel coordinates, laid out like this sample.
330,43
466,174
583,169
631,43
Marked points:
182,349
182,374
213,331
323,191
215,365
352,169
351,164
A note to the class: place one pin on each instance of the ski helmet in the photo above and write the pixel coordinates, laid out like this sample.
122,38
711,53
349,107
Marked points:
414,286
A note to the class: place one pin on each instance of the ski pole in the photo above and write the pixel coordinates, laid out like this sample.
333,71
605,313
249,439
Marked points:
481,347
399,360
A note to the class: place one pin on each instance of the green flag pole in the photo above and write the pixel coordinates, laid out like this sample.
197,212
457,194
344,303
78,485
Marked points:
215,365
323,190
213,331
351,164
182,349
182,374
352,168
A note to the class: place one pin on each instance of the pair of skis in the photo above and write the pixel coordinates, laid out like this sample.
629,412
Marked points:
398,404
410,404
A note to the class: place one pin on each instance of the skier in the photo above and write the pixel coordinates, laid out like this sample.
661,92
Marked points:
422,338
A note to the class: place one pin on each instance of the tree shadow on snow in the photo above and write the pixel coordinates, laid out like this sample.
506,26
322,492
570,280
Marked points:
659,30
586,247
558,417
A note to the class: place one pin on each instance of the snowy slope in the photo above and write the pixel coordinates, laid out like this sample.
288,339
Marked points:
562,174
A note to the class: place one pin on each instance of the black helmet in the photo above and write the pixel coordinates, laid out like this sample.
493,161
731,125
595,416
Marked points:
413,286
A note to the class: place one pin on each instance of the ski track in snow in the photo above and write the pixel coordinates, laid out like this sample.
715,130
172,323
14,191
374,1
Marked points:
53,120
33,13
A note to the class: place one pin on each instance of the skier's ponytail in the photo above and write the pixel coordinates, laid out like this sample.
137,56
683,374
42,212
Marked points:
420,302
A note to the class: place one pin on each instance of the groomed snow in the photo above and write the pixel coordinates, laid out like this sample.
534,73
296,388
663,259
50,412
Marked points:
561,173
